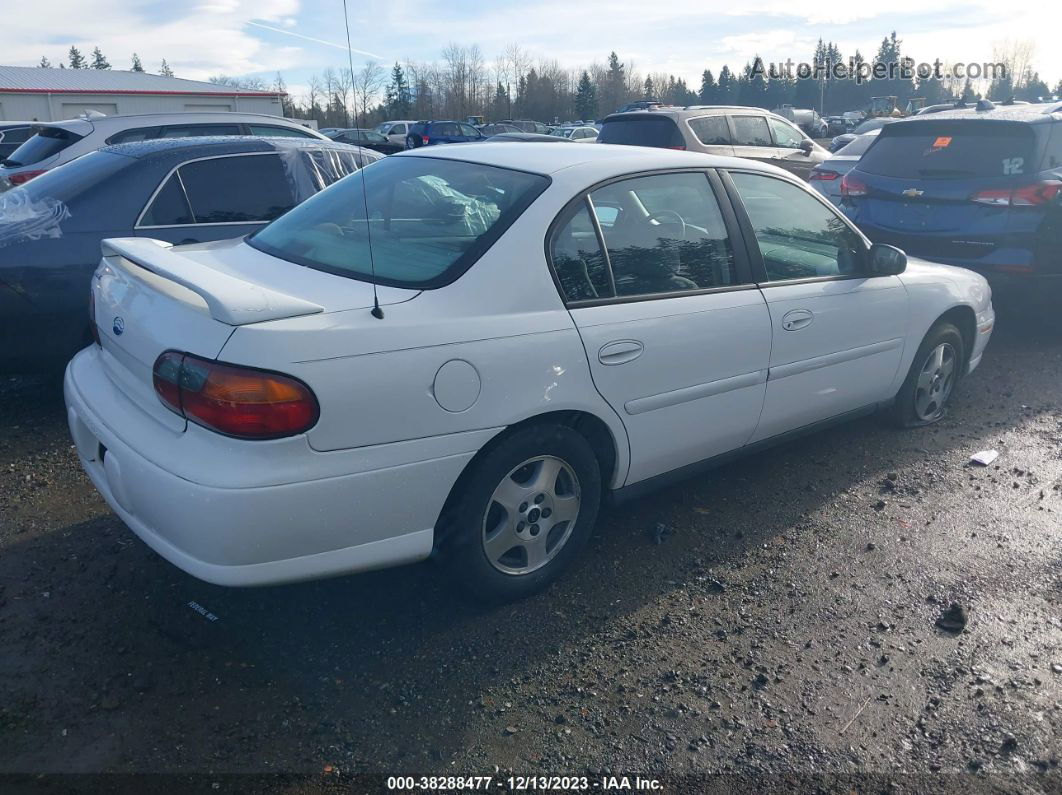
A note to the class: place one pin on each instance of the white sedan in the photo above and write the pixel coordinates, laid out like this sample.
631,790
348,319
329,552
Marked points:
468,351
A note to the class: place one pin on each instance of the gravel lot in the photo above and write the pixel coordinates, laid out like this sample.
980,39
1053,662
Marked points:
782,623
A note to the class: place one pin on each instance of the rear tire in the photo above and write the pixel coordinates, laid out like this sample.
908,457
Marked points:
930,383
525,511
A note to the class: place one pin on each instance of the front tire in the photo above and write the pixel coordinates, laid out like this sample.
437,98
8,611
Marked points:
930,383
525,511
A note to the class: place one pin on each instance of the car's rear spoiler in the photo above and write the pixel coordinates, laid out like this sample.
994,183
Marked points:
231,300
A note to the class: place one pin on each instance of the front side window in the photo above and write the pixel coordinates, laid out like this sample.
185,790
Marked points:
662,234
711,130
784,135
751,131
799,237
428,220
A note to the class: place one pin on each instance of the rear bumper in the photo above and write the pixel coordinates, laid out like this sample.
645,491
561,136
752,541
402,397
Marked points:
365,519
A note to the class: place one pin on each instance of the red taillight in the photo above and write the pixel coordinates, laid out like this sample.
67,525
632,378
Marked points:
236,401
22,177
92,318
1026,196
823,176
680,148
424,139
851,187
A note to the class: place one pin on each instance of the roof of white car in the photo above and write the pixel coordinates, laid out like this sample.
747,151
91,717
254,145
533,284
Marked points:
547,158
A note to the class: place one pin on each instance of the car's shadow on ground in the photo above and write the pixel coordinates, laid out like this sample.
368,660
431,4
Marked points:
388,668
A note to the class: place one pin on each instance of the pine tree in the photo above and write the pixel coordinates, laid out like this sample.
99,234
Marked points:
649,89
137,66
585,98
398,98
1058,90
709,93
615,87
99,60
165,70
45,63
726,86
76,59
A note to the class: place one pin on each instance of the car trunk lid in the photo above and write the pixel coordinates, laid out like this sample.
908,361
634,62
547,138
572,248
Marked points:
150,298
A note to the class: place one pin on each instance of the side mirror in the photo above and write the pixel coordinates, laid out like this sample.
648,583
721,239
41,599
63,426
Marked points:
807,146
886,260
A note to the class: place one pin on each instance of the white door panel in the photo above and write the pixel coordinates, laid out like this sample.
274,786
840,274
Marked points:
836,348
687,375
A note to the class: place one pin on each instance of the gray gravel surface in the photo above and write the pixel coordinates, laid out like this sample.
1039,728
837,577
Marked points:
783,623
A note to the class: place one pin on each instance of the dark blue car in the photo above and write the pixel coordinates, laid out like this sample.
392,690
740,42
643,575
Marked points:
976,188
430,133
187,190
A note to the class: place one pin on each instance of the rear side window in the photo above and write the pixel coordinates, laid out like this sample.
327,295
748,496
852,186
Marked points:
952,149
428,219
856,147
248,188
139,134
662,234
283,132
169,207
578,259
242,189
48,142
711,130
198,130
751,131
398,129
660,131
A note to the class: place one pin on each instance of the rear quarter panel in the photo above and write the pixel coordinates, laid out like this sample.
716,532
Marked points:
376,379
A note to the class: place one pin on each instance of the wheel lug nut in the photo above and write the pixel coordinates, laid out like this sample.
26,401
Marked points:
520,526
539,499
523,507
534,529
546,512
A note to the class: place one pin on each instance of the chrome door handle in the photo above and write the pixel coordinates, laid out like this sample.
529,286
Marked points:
620,352
797,319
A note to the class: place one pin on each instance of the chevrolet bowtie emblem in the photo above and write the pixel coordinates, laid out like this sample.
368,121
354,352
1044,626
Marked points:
912,192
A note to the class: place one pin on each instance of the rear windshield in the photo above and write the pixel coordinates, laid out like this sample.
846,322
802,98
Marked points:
641,131
428,220
951,150
856,147
47,142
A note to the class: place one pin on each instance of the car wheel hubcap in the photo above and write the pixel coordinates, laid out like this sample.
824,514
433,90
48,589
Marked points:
530,515
935,382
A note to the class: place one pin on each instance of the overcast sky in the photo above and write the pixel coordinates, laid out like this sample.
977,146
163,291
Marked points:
300,37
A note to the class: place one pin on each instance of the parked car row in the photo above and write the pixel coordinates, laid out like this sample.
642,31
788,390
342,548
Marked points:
177,192
54,143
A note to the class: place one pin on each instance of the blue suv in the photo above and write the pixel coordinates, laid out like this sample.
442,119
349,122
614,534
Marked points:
977,188
429,133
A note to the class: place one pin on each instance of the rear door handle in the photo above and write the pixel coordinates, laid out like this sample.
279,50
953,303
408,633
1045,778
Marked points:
797,319
620,352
